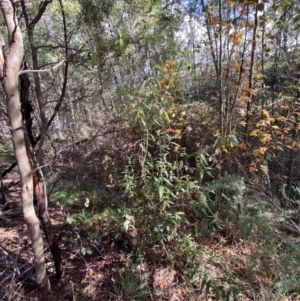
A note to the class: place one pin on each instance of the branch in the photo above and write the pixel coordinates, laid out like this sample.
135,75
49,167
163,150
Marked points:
64,85
44,70
6,171
41,11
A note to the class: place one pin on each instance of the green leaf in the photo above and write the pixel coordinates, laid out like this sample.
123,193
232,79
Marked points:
233,139
161,191
152,137
85,48
224,293
171,194
166,180
143,122
93,59
208,285
159,68
167,116
235,295
217,294
126,225
203,284
227,296
122,45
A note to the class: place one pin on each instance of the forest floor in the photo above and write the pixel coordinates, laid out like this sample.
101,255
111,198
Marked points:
94,261
100,262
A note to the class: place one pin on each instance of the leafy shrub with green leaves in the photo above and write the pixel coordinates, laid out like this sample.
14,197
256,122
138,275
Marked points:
160,183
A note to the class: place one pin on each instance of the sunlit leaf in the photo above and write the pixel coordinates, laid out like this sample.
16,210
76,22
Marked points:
256,153
246,98
236,37
281,118
254,132
161,192
265,138
235,66
178,134
126,225
264,169
169,130
265,113
87,202
275,127
202,199
122,45
167,116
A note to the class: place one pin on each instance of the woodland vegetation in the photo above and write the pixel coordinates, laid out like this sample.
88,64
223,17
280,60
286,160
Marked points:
150,150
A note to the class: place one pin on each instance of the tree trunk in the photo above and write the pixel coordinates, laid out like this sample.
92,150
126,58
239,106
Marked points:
10,85
37,159
38,178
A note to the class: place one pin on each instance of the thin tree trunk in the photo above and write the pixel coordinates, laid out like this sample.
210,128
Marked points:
37,160
10,86
250,81
38,179
211,45
221,104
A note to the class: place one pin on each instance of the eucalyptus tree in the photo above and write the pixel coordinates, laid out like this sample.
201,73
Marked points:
11,69
29,148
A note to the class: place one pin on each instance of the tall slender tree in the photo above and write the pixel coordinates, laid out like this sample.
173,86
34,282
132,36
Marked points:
11,67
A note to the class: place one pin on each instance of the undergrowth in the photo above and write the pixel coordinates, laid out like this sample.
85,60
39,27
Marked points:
181,213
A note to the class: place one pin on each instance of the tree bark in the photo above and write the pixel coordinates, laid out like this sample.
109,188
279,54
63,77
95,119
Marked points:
37,159
10,85
38,178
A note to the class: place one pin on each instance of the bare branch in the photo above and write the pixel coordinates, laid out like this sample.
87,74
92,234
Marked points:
40,13
44,70
64,85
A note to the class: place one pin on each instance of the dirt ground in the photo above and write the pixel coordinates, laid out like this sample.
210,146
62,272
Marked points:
95,258
89,276
89,271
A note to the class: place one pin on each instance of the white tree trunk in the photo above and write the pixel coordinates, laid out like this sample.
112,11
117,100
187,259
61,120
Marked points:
10,86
